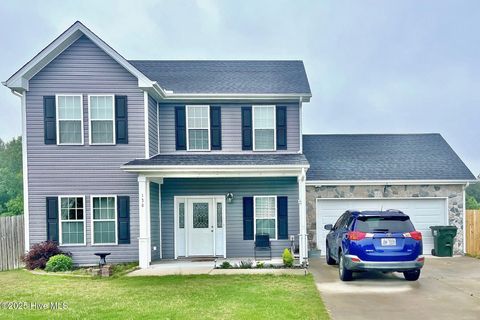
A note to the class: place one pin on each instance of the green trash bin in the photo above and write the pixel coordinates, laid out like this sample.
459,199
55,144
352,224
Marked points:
443,240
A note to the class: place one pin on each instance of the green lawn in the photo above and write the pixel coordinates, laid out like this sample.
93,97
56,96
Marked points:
171,297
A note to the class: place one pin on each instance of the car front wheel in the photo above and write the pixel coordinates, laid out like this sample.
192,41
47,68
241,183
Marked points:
412,275
328,257
343,272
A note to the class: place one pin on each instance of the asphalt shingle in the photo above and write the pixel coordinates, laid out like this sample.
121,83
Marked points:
227,76
382,157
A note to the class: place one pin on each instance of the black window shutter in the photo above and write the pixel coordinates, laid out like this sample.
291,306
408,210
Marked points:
49,120
180,129
248,218
52,219
121,119
281,127
215,128
123,212
282,216
247,128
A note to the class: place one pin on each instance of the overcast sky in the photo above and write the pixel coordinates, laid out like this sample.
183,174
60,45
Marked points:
373,66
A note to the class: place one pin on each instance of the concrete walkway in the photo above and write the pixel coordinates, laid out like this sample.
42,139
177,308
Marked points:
448,288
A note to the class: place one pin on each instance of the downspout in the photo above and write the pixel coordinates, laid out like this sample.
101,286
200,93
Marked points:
464,231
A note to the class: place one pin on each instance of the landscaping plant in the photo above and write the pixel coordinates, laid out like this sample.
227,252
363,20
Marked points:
59,263
287,258
39,254
225,265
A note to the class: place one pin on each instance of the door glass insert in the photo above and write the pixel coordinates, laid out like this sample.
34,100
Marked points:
200,215
181,215
219,215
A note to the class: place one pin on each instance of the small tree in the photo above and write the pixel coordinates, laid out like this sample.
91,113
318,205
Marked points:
287,258
472,203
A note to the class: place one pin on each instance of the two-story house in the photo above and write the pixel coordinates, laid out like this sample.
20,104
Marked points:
155,160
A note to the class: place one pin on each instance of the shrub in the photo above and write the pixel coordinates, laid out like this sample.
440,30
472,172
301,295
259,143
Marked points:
287,258
39,254
245,264
260,265
225,265
60,262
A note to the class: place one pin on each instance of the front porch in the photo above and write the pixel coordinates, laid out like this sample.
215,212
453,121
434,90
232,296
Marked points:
216,214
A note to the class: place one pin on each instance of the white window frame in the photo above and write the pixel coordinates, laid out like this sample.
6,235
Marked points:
57,120
90,120
187,107
255,215
60,222
274,126
92,228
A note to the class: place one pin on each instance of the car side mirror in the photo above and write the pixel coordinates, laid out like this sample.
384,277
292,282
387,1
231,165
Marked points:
328,226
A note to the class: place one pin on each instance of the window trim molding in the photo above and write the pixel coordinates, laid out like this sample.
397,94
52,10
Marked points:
57,119
60,237
255,215
187,128
274,126
90,120
92,228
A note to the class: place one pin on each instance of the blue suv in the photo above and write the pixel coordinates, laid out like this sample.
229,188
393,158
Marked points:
375,240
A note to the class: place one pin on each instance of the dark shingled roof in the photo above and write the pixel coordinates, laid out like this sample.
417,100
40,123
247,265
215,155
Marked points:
242,76
218,159
382,157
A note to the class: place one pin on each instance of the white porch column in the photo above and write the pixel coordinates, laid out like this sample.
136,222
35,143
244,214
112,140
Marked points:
303,237
144,246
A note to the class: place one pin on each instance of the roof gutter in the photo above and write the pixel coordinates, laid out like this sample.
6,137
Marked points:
385,182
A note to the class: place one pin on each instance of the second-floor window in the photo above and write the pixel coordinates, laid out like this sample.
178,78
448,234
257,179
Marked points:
102,118
69,119
198,128
264,128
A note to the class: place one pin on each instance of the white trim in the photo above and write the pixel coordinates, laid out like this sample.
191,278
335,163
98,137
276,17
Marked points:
92,228
158,128
90,120
255,215
145,115
187,107
300,117
274,126
60,240
383,182
58,120
26,214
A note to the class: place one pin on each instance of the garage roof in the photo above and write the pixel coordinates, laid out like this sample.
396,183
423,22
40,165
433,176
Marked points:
373,157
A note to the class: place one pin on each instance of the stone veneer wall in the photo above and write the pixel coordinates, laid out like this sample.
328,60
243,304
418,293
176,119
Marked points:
453,192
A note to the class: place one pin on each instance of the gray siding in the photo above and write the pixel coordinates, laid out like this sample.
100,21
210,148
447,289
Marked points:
231,128
155,220
152,126
83,170
240,187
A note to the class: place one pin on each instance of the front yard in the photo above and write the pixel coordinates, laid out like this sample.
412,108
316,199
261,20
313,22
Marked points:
170,297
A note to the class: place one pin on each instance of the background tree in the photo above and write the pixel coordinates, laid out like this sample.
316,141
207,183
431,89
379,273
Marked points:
11,179
473,196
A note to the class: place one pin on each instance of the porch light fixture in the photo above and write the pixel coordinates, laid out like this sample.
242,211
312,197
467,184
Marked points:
229,197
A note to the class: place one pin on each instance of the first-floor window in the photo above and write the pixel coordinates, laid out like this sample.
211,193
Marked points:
72,220
104,220
70,119
265,209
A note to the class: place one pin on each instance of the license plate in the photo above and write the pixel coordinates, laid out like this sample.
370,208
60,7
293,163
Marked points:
389,242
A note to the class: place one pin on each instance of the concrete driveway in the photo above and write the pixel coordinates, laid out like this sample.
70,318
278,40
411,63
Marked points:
448,288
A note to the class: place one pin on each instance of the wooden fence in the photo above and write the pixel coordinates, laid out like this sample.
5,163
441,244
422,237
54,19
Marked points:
12,240
472,230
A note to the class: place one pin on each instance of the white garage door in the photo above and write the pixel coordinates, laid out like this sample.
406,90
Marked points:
423,213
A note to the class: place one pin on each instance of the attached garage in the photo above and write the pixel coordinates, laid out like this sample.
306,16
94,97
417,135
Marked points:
419,174
423,213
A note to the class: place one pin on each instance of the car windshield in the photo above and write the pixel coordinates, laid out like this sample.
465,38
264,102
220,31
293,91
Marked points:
384,224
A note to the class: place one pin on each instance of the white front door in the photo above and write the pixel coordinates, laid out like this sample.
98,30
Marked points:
201,226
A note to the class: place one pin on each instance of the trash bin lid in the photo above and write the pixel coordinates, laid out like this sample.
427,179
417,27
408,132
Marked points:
443,228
